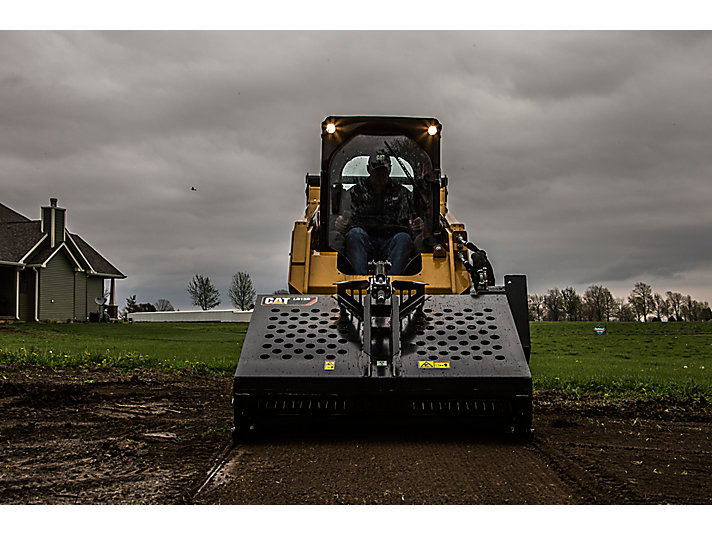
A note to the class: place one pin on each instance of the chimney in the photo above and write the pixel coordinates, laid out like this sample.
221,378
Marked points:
53,222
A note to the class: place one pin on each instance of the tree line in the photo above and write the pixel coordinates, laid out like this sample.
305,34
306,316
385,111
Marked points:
598,304
203,294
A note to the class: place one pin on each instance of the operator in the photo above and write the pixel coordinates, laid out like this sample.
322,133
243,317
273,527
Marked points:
380,224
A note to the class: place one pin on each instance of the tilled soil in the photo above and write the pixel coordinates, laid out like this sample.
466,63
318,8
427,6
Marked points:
84,436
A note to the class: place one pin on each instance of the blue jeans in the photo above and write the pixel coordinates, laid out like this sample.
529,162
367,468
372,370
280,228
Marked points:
361,247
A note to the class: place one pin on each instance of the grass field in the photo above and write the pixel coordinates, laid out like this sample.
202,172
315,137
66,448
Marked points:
630,359
202,346
639,358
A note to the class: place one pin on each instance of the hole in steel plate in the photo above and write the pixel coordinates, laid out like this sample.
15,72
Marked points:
485,342
308,357
275,309
487,352
499,357
342,351
497,347
475,347
298,351
286,356
276,351
432,357
492,326
264,356
477,357
320,351
422,352
266,345
494,336
488,310
465,352
454,357
473,337
331,357
490,318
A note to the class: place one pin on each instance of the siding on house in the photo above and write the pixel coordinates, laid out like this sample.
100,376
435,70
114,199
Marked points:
95,288
57,289
80,296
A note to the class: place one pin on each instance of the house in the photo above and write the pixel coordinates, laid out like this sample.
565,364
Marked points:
49,273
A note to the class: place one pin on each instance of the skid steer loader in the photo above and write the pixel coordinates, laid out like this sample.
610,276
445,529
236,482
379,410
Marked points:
437,340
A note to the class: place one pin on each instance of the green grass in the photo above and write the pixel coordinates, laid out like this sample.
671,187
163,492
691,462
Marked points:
200,346
631,359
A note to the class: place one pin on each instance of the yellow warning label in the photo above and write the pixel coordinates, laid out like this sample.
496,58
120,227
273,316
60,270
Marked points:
329,365
433,365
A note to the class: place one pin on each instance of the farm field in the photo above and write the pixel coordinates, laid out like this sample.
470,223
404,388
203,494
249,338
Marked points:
638,359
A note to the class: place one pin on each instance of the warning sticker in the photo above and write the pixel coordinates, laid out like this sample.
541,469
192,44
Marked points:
329,365
433,365
280,300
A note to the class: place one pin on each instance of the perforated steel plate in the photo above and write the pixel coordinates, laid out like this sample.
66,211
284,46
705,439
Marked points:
474,336
299,336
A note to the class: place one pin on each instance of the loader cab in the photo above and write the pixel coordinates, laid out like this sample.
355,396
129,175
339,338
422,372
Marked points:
347,143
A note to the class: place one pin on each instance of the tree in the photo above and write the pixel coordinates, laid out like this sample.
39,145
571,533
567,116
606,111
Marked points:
571,304
536,307
641,299
242,291
598,303
131,305
164,305
203,293
552,304
623,311
145,307
661,306
675,300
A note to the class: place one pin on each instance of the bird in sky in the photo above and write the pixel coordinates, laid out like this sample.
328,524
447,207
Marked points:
193,189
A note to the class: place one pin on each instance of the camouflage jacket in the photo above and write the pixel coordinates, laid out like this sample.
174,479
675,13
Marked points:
381,215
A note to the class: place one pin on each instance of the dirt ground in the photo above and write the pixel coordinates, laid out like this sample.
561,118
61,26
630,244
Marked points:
100,436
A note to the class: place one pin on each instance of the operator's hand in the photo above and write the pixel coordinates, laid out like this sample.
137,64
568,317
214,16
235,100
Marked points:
341,223
417,225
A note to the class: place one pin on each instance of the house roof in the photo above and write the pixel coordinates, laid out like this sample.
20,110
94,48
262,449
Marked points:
98,263
17,239
21,237
10,215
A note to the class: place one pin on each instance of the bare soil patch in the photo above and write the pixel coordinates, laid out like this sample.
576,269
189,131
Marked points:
83,436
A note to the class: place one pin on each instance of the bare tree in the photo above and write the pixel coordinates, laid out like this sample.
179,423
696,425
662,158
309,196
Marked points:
536,307
641,299
242,291
203,293
661,306
552,304
622,310
164,305
598,303
675,300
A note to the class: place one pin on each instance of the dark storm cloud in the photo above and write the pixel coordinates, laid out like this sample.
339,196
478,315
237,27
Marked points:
575,157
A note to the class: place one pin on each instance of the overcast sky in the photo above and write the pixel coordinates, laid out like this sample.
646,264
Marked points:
573,157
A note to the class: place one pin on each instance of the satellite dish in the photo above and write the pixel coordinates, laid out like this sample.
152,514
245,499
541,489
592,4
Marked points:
100,301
